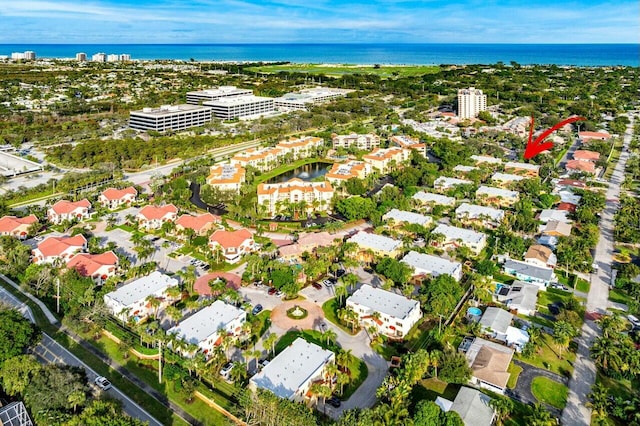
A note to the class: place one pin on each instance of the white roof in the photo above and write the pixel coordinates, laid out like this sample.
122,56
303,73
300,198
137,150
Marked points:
444,404
496,192
292,368
516,336
529,270
569,197
409,217
428,197
447,182
453,233
473,211
432,265
207,322
375,241
169,109
220,91
237,100
473,407
485,159
496,319
385,302
141,288
525,166
506,177
461,168
547,215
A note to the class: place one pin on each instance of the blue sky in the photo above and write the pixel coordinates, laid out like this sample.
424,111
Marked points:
348,21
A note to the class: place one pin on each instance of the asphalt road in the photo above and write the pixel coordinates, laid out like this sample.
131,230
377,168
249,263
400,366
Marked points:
48,351
576,412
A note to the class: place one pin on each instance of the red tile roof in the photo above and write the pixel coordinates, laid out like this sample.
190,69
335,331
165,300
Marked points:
585,155
593,135
566,206
231,239
572,182
202,284
66,207
11,223
55,246
197,222
583,166
117,194
88,264
157,212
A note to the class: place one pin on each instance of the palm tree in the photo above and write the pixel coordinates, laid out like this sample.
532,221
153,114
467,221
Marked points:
238,372
502,407
173,313
606,353
343,358
599,402
434,360
540,417
563,332
270,342
188,277
330,336
154,303
320,390
342,379
76,398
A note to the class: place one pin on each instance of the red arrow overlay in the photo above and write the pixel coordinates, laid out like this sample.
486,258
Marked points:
535,147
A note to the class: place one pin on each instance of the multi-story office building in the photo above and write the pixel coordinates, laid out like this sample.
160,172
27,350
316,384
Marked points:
170,117
81,57
275,196
364,142
99,57
241,106
303,99
470,102
213,94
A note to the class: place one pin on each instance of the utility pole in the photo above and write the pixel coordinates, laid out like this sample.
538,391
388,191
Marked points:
160,361
57,295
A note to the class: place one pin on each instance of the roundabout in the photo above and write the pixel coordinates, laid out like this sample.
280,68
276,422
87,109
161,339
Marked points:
299,314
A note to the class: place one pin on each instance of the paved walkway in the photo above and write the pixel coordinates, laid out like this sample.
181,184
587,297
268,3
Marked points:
50,317
523,393
577,412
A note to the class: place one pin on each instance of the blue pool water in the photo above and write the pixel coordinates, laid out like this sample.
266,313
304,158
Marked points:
476,312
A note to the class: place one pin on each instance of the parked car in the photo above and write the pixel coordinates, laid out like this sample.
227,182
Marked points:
256,309
263,363
334,401
102,383
340,272
272,291
279,293
317,286
226,370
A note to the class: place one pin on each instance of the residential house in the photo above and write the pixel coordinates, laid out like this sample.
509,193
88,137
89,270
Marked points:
375,244
550,241
385,160
232,244
494,323
308,196
391,314
68,210
365,142
292,372
556,228
113,198
430,199
578,166
525,169
497,196
473,406
401,216
152,217
226,177
540,255
487,216
547,215
17,227
53,249
98,267
426,265
455,237
464,169
586,155
568,184
206,328
342,172
409,142
444,183
489,364
130,300
505,179
539,275
589,136
200,224
482,159
520,297
307,242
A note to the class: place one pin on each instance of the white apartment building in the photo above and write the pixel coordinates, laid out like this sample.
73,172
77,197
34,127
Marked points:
401,216
227,108
342,172
113,57
130,300
364,142
470,102
290,374
81,57
433,199
203,328
488,216
275,196
226,177
506,178
497,196
378,245
408,142
305,98
170,117
444,183
303,147
479,159
262,159
199,96
433,266
99,57
29,55
385,159
391,314
455,237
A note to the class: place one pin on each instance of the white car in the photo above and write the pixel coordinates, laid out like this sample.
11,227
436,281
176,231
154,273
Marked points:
102,383
226,370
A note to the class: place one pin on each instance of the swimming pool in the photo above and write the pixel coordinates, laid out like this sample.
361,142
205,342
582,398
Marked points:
476,312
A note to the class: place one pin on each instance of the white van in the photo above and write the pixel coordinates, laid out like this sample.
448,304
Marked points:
633,320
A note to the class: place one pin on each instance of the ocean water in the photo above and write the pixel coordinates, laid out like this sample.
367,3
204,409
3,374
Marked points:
423,54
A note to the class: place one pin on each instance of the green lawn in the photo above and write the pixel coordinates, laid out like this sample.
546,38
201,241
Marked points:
515,371
358,370
330,309
338,70
547,357
430,389
550,392
264,321
619,296
582,285
623,389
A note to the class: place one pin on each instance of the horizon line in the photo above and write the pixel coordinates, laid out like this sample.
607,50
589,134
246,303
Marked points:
315,43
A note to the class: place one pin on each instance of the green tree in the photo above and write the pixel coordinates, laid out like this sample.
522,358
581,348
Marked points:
454,367
103,413
16,334
16,373
56,388
398,272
